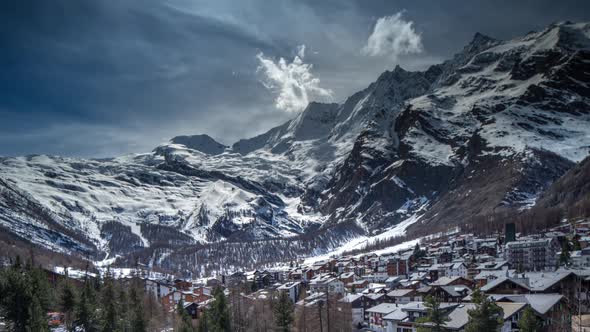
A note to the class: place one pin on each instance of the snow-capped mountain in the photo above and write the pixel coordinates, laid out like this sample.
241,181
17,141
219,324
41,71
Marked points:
488,130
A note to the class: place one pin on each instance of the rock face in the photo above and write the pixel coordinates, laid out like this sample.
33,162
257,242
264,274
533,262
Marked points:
203,143
491,129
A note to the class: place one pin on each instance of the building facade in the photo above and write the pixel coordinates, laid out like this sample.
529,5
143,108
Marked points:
532,255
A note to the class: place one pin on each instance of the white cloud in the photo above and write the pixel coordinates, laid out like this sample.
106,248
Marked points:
393,36
293,82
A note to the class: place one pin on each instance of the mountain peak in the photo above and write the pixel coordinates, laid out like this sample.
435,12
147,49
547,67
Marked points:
480,41
397,73
567,35
203,143
399,69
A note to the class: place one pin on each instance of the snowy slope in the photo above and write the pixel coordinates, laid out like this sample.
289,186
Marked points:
84,195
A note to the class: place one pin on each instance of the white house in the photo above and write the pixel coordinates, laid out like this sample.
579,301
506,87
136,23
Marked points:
157,288
457,270
292,289
326,284
377,314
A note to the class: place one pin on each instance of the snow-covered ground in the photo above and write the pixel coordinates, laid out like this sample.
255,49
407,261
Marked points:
362,241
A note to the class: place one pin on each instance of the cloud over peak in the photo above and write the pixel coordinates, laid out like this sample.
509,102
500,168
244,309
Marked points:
393,36
293,81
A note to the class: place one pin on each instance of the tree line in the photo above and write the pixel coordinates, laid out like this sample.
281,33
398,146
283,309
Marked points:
91,304
239,312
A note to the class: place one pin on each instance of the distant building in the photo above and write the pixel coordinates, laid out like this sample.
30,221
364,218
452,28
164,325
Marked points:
532,255
235,279
353,304
159,288
457,270
292,289
376,314
581,258
327,285
510,233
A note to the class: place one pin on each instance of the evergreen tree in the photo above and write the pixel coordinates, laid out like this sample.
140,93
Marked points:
68,302
418,253
218,315
203,323
486,317
17,262
41,287
138,321
529,322
37,317
123,312
86,316
109,308
564,257
435,316
98,283
283,311
24,293
185,324
13,302
253,288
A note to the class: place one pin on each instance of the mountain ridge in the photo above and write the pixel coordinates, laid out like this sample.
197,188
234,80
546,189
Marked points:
488,130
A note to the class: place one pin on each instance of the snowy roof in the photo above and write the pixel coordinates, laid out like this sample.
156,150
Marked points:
312,299
487,274
424,289
351,298
288,285
541,303
397,315
494,283
399,292
383,308
374,296
418,276
492,265
554,234
188,304
540,281
443,281
455,290
459,317
375,285
393,279
529,243
419,306
534,281
510,308
457,265
440,266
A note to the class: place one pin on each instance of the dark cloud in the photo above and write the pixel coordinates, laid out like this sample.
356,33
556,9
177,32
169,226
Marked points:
101,78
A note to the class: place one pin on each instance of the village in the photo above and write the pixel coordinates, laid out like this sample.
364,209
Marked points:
547,273
541,278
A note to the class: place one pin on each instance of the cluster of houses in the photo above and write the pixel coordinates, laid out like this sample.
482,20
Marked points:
386,292
194,296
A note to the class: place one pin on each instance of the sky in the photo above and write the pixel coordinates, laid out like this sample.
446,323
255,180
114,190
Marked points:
101,78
